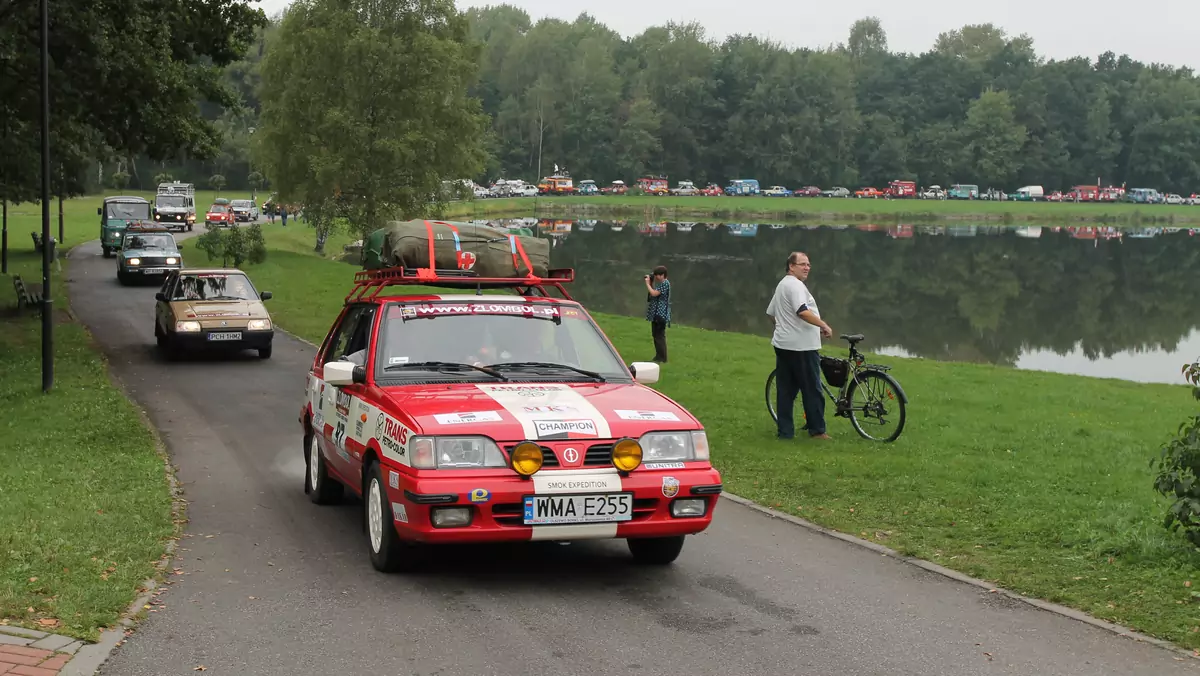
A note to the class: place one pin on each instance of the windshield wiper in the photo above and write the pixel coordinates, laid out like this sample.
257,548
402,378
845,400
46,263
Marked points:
444,366
547,365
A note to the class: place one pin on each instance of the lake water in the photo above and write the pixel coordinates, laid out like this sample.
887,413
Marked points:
1090,300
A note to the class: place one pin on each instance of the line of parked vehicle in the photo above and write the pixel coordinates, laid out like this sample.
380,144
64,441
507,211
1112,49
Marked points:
561,183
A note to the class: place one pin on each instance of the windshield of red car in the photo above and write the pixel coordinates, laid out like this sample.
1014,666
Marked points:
494,332
218,208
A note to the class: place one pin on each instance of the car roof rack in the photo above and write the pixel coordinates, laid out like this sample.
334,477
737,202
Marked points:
369,284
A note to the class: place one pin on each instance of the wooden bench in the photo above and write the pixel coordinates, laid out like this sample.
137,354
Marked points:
28,295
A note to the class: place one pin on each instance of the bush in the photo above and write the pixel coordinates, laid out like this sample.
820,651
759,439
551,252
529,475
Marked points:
118,180
161,178
1179,470
233,246
216,182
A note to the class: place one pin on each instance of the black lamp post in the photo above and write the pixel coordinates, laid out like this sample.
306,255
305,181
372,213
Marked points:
47,243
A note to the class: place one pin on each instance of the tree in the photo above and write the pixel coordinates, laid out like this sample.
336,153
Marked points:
1179,470
367,100
993,138
216,182
124,78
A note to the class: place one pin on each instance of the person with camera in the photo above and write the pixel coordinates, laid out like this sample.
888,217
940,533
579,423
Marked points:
658,310
797,341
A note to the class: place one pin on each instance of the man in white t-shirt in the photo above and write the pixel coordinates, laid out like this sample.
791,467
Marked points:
797,339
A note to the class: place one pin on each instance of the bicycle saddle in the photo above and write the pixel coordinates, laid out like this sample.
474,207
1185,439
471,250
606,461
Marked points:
853,337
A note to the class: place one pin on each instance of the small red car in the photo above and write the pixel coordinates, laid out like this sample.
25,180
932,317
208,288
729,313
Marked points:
220,214
469,418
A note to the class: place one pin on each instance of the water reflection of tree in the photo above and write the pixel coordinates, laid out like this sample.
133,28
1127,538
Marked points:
983,298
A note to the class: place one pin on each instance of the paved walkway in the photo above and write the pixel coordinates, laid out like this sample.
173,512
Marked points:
25,652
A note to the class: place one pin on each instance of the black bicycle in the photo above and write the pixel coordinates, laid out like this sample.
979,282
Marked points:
867,394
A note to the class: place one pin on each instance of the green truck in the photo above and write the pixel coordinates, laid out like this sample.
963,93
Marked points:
115,216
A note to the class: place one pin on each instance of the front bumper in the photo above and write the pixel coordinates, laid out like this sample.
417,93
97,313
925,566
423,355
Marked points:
205,339
500,517
147,271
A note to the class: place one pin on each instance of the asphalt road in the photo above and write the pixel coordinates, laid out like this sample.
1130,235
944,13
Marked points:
274,585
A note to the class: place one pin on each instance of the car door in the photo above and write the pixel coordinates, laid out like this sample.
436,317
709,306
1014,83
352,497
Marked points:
162,309
337,405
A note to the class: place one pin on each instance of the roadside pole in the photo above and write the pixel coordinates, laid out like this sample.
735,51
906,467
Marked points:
47,244
4,238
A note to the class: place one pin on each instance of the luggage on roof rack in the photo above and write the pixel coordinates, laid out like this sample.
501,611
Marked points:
446,245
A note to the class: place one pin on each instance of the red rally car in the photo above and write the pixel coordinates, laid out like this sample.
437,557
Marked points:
472,418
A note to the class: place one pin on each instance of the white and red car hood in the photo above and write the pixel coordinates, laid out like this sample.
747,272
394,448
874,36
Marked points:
543,411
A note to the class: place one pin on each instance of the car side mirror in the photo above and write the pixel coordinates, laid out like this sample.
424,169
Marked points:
99,211
265,295
644,372
341,373
161,296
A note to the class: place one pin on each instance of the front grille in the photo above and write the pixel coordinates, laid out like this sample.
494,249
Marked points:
596,455
511,513
155,261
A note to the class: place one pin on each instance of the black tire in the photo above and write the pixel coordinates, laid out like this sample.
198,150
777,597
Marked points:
106,251
159,337
656,551
122,278
770,396
875,382
264,352
389,554
321,488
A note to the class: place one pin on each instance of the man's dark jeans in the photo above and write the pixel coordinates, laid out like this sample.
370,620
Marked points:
799,372
658,330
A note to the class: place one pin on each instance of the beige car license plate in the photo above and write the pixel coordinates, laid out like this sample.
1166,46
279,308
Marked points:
226,335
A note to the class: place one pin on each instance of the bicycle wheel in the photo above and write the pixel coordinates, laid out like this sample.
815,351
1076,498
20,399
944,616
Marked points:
770,393
875,403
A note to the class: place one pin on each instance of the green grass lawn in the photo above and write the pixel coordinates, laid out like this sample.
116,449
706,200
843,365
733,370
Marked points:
1038,482
85,507
837,209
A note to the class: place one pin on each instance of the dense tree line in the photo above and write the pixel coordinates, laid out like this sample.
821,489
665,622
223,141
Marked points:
128,79
979,107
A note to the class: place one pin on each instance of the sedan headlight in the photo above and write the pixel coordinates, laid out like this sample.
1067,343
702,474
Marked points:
134,261
258,324
674,446
172,261
456,453
187,327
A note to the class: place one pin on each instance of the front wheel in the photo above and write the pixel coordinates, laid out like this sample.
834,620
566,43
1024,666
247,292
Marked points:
771,397
876,406
389,553
656,551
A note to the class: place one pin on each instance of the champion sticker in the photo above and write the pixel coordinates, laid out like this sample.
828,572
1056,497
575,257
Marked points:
550,411
657,416
663,465
460,418
670,486
393,478
565,429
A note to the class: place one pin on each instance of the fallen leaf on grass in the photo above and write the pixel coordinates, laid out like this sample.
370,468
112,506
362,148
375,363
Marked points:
200,667
48,622
34,579
1187,583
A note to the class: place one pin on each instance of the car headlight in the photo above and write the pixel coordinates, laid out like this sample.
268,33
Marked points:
187,327
134,261
258,324
456,453
675,446
172,261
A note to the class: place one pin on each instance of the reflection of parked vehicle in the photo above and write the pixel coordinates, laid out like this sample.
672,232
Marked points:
836,192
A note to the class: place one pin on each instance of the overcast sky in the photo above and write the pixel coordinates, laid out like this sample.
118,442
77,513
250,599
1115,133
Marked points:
1148,30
